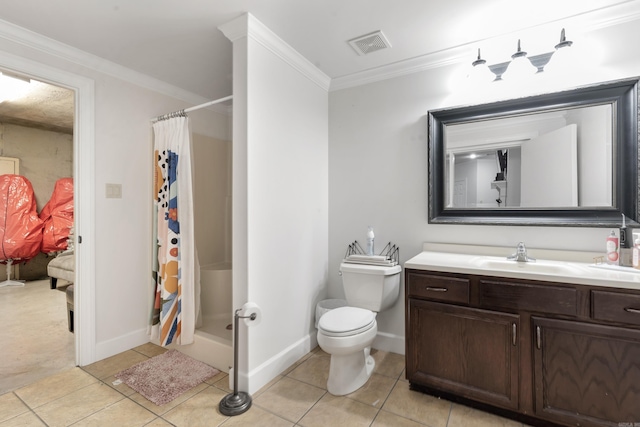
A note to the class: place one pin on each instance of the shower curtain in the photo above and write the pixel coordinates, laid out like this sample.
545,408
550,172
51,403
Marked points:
176,280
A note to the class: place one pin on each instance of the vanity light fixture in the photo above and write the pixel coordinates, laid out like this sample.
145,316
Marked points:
562,58
522,65
480,73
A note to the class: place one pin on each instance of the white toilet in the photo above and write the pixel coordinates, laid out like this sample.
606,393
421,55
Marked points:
346,333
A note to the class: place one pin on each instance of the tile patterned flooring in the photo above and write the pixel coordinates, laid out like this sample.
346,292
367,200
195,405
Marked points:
298,397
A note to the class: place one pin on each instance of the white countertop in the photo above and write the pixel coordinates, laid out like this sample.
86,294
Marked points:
550,265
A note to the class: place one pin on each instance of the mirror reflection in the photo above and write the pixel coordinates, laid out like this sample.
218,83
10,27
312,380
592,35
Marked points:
522,174
553,159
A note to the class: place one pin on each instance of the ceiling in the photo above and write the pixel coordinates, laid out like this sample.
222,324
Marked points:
179,42
45,107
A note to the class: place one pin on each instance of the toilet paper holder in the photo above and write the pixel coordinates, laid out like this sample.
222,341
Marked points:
239,402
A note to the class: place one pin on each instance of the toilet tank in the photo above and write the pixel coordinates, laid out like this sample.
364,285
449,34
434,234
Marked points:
373,287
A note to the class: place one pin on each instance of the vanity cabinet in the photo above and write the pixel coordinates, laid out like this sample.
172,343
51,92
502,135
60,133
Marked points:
586,374
466,351
541,352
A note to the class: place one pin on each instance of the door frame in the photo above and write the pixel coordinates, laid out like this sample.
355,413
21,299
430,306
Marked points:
84,194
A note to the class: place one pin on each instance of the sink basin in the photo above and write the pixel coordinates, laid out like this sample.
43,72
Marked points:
538,267
565,266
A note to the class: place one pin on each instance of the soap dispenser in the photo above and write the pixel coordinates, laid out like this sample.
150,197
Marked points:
612,248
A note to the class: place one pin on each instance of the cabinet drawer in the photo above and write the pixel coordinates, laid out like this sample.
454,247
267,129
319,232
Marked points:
438,288
530,297
615,307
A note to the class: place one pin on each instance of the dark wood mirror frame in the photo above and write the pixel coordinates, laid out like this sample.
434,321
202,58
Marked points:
622,94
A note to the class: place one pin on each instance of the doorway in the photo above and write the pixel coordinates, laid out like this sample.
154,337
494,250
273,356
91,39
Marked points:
36,120
83,172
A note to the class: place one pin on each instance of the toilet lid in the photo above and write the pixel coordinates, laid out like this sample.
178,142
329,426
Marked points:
346,321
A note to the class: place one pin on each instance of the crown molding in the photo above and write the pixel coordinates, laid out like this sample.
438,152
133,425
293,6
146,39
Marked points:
249,26
401,68
615,15
599,19
237,28
38,42
267,38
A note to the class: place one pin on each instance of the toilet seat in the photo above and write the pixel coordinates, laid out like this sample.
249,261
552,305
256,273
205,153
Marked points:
346,321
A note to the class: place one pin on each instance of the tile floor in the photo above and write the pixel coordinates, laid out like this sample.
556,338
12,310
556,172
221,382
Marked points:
298,397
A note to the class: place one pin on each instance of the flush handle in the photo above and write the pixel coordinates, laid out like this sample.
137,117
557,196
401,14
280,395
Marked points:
429,288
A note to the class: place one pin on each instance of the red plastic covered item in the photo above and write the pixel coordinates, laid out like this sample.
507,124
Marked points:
57,216
20,226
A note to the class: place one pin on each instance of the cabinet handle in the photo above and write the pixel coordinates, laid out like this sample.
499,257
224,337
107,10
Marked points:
632,310
429,288
538,338
514,334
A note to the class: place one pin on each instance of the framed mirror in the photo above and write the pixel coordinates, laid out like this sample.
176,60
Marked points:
567,158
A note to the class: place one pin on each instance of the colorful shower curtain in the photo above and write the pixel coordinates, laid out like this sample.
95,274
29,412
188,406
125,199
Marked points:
176,280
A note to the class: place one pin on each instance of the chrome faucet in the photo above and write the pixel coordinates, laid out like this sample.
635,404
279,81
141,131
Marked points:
521,254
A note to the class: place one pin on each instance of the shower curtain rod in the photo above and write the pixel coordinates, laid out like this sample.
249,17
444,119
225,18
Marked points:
186,110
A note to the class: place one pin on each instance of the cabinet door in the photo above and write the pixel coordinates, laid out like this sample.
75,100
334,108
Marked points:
470,352
586,374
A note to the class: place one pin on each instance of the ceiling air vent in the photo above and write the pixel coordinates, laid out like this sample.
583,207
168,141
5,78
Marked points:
369,43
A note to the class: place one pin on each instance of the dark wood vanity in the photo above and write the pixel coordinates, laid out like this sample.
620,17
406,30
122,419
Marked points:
559,348
545,353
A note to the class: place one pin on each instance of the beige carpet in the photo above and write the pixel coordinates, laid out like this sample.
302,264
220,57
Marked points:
36,342
166,376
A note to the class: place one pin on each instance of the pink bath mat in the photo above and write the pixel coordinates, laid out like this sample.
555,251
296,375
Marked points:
164,377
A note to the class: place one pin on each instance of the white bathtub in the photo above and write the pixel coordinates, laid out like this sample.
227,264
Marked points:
212,343
215,299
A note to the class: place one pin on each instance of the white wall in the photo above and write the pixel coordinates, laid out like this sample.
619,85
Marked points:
594,157
45,156
280,180
212,199
123,226
487,170
467,172
378,164
211,147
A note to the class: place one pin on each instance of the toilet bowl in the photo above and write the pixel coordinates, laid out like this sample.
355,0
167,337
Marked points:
346,333
326,306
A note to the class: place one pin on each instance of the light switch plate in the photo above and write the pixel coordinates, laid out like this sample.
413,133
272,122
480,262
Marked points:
113,191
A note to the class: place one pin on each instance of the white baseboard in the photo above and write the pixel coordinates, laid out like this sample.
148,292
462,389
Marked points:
264,373
273,367
122,343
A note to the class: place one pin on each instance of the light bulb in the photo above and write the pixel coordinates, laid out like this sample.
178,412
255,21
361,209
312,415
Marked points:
519,67
563,58
480,73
